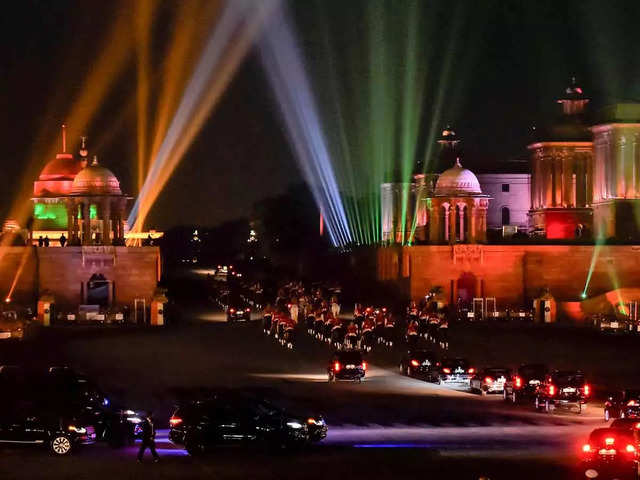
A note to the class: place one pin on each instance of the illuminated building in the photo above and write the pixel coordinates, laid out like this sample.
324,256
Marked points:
83,201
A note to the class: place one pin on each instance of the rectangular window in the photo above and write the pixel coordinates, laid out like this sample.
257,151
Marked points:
505,187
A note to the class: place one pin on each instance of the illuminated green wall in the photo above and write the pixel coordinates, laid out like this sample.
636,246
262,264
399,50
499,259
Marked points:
49,216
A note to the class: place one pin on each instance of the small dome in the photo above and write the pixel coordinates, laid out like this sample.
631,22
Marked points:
457,181
95,179
63,167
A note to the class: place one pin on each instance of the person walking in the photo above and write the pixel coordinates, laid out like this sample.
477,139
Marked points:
41,241
46,241
63,240
148,439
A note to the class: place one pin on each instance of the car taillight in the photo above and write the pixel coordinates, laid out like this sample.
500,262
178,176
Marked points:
364,366
518,382
232,310
384,309
587,390
552,390
586,448
472,370
488,380
415,363
446,370
247,310
609,441
630,448
336,366
175,421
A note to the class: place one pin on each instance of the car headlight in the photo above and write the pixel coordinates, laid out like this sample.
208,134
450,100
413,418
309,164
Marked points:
313,421
73,428
134,420
129,412
295,425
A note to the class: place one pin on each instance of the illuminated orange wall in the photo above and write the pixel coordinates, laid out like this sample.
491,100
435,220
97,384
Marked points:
511,273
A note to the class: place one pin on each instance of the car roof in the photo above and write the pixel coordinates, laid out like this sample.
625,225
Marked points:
625,423
600,433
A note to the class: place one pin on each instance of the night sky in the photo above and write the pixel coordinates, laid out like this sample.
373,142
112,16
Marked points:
511,60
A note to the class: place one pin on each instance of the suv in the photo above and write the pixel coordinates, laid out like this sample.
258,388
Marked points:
38,424
563,389
611,453
524,384
624,404
232,420
490,380
347,365
420,363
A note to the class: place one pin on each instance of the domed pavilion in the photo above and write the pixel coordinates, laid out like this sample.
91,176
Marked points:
457,209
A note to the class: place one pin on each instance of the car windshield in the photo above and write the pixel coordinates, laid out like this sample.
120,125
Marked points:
455,363
568,379
619,436
497,372
422,355
532,371
350,357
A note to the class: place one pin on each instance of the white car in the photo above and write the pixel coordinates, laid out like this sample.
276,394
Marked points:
490,380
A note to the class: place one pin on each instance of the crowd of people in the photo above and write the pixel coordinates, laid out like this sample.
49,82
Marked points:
319,311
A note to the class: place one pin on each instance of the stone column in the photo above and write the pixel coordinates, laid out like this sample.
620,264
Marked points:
452,223
106,221
447,229
472,213
462,208
434,219
86,223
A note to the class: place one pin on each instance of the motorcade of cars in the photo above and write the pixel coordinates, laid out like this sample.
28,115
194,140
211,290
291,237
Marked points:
237,310
455,371
523,384
420,363
563,388
610,453
233,420
346,365
622,404
489,380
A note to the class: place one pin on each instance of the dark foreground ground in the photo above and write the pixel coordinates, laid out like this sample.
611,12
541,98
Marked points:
388,427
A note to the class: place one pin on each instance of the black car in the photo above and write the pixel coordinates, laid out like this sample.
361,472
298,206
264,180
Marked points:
420,363
563,389
610,453
32,423
347,365
524,383
237,310
235,420
623,404
456,371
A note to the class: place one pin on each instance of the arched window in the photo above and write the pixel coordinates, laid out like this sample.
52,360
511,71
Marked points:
506,216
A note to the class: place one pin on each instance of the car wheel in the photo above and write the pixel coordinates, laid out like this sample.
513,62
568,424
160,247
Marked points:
514,399
607,415
60,445
408,372
505,397
547,406
537,403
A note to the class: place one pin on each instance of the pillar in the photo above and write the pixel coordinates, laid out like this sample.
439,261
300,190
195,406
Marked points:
106,221
86,223
452,223
435,219
461,206
447,230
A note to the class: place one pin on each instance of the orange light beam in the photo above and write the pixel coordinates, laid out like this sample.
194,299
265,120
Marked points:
23,261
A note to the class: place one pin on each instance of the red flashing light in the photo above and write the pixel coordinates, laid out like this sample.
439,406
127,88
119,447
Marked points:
637,426
472,370
175,421
337,366
488,380
384,309
632,403
587,390
446,370
232,310
552,390
415,363
247,310
630,449
609,441
518,382
364,366
586,448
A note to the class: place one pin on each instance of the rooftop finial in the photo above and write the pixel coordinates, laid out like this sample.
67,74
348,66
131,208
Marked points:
458,164
83,148
95,160
64,138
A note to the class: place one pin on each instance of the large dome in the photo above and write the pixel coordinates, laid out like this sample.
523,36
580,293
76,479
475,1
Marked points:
63,167
95,180
457,181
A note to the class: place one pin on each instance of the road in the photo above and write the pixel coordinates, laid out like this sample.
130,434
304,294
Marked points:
388,425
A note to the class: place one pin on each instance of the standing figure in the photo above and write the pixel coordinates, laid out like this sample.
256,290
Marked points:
148,438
